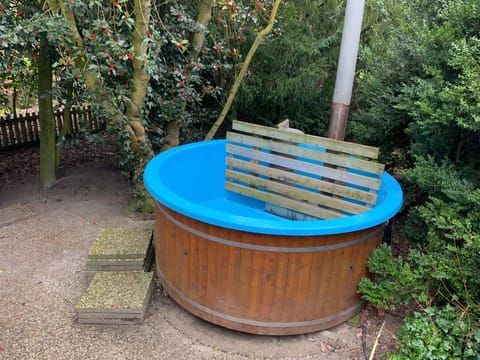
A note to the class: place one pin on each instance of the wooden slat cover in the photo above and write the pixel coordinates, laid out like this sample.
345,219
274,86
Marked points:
316,176
331,144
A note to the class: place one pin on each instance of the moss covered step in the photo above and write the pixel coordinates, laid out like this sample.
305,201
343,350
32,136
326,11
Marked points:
116,297
121,243
95,265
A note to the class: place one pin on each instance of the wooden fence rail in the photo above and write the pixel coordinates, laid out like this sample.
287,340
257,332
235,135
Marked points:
24,129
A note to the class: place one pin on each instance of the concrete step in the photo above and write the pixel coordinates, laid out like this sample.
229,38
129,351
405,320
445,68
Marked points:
121,249
121,243
116,297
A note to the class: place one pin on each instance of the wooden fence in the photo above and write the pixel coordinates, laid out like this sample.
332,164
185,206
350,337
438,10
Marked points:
24,129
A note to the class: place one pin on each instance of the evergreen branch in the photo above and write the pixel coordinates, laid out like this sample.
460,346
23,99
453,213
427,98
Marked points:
231,96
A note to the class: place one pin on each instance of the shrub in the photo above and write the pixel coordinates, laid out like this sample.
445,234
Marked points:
438,334
441,269
396,282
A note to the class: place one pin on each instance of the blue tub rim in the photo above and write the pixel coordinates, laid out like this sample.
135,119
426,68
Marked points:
379,214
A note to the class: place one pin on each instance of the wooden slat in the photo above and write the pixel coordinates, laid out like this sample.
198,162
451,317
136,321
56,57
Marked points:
316,176
36,126
82,121
320,156
31,134
331,144
18,134
11,134
90,120
74,121
4,131
315,184
29,130
23,131
314,169
59,122
293,204
291,191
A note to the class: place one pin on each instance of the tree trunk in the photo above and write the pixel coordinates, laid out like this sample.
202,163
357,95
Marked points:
48,146
14,101
204,16
139,141
203,19
140,75
141,78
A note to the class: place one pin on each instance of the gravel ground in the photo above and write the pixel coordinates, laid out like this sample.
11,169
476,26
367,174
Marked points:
44,241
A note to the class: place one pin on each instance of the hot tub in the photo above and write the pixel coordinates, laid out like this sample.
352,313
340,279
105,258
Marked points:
226,260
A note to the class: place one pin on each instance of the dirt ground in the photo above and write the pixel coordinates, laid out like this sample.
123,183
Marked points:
44,241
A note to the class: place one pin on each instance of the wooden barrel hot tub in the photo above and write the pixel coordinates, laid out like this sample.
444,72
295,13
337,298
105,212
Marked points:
224,259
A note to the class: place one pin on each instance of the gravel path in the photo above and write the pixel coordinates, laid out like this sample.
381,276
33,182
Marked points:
44,241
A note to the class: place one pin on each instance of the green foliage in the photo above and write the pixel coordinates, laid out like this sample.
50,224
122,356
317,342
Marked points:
292,75
190,88
102,61
19,87
20,25
395,281
419,70
438,334
443,99
422,74
389,58
442,266
452,244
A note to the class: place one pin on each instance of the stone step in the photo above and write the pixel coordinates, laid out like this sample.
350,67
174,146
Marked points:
116,297
122,243
121,249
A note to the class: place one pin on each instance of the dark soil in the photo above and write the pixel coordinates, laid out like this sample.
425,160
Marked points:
19,164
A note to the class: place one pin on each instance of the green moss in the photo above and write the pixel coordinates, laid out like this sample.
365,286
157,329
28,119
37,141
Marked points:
145,206
117,291
118,243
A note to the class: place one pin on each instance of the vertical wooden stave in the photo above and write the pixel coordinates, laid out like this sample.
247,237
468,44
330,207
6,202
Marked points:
255,306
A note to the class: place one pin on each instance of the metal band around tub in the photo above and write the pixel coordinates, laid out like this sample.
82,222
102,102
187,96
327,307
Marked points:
269,248
352,310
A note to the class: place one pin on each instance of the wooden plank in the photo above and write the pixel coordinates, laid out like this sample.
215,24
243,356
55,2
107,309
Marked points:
330,144
293,204
36,126
31,121
75,125
59,122
312,154
90,122
287,190
314,169
23,130
4,132
316,176
30,130
95,124
18,133
11,134
313,183
81,120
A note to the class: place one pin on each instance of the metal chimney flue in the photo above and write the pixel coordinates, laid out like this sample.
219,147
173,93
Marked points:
347,61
